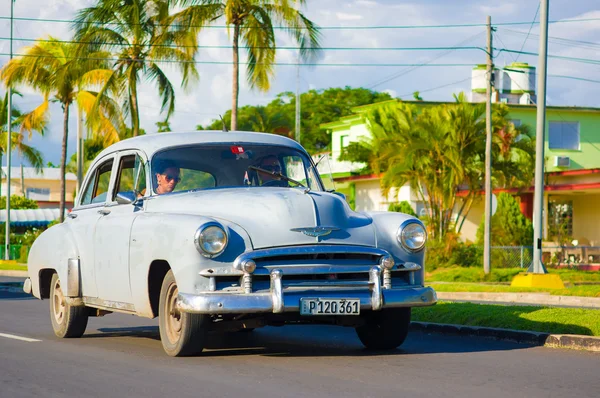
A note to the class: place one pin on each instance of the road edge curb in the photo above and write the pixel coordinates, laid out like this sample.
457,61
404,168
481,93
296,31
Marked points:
569,341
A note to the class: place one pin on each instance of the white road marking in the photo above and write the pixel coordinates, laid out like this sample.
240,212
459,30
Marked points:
12,336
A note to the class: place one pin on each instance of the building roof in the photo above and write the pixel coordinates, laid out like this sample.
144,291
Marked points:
358,110
152,143
30,173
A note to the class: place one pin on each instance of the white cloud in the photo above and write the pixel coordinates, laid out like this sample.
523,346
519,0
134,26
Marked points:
348,17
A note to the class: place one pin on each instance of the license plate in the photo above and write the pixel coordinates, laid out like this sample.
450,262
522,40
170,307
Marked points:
321,306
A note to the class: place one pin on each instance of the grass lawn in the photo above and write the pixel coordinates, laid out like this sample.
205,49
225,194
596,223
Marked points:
476,274
537,319
580,290
12,267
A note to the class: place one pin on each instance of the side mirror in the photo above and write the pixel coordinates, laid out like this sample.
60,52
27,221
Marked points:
125,198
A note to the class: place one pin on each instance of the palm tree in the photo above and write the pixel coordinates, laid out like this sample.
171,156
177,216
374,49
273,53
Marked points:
53,68
35,120
140,34
440,151
253,22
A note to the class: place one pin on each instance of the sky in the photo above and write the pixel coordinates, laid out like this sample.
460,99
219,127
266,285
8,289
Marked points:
205,100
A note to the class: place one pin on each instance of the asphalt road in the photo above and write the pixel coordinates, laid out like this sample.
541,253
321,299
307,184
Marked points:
121,356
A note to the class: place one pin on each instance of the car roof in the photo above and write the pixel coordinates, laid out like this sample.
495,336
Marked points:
154,142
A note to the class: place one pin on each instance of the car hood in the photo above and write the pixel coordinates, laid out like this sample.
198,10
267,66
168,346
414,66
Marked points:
269,215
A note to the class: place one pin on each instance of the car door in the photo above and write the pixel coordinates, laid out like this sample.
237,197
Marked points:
82,220
113,229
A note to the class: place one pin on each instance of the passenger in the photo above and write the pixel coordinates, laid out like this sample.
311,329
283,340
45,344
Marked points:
167,177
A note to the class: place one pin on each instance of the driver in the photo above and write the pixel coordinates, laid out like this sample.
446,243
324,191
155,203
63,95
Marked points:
271,163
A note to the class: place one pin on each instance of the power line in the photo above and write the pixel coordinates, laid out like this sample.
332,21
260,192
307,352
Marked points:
574,59
530,27
558,40
303,27
241,63
438,87
408,70
257,47
497,36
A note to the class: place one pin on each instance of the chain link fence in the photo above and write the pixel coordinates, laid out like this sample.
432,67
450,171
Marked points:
511,256
552,256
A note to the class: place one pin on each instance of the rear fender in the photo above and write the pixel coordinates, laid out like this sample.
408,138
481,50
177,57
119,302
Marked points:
55,250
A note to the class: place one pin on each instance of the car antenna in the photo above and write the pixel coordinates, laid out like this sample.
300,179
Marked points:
224,126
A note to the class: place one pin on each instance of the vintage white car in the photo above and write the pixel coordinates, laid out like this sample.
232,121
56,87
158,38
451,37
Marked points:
214,231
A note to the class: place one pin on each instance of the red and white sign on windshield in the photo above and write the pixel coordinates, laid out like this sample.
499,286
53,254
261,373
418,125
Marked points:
237,149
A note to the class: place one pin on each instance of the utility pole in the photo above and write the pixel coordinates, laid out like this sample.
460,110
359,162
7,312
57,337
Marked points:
79,148
298,100
488,151
538,197
8,144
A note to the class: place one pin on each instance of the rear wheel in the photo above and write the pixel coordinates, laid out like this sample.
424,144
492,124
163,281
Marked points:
67,320
181,333
384,330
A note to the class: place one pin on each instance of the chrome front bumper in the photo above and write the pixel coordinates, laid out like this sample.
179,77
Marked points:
372,297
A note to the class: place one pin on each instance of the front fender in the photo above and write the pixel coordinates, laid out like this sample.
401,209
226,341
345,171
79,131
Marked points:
170,237
52,251
386,227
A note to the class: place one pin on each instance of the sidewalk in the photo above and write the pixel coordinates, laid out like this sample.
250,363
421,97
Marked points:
541,299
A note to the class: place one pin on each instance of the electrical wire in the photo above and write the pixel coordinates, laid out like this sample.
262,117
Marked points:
240,63
528,33
303,27
256,47
438,87
408,70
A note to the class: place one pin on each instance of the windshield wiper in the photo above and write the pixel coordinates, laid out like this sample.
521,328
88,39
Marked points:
280,176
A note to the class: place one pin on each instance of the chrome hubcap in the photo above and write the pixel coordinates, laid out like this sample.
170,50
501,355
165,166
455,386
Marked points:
172,315
59,303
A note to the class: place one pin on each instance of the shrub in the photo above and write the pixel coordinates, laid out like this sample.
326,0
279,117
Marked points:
18,202
509,226
402,207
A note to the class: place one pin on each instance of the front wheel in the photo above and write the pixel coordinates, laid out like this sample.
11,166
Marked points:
67,320
181,333
384,330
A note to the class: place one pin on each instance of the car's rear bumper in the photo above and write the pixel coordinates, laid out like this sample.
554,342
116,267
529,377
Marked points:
372,297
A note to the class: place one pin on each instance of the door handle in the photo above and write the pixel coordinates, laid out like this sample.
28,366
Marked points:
72,215
104,212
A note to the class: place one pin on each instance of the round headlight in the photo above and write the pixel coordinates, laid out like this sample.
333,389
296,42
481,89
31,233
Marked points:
412,236
210,240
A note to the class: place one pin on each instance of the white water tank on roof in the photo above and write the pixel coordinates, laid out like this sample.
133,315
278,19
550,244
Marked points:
518,78
478,79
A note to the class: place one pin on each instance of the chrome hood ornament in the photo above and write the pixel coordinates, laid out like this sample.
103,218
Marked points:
315,232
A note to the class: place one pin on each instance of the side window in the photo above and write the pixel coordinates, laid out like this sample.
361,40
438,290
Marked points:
132,176
97,187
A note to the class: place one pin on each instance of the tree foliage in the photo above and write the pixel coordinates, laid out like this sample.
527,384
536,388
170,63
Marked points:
18,202
22,124
139,35
317,107
53,68
253,24
509,226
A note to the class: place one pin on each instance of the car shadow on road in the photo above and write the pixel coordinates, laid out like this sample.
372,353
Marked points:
317,341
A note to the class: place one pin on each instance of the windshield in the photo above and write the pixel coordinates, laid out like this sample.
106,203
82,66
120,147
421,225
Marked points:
226,165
